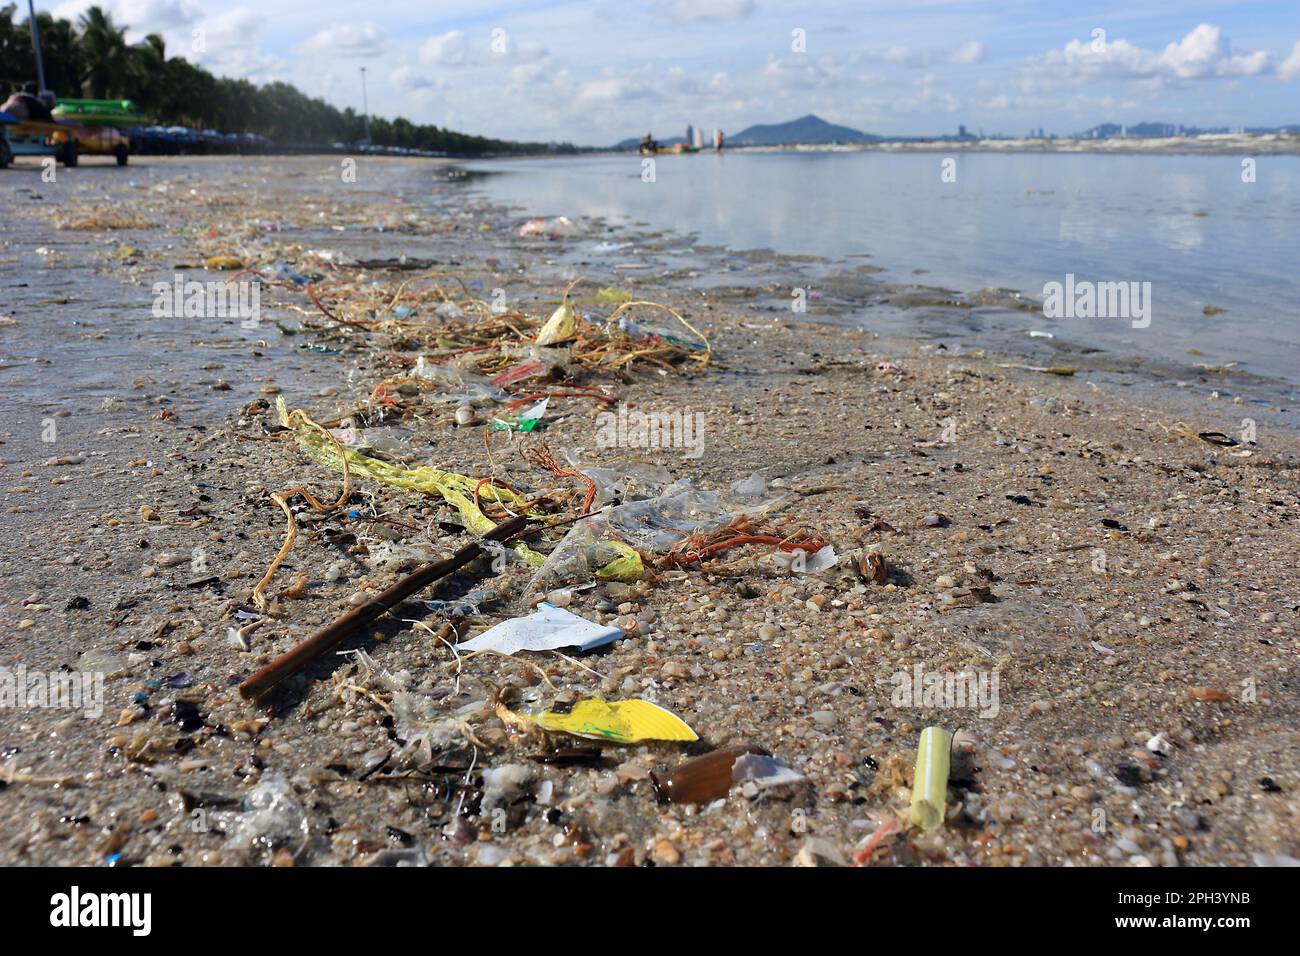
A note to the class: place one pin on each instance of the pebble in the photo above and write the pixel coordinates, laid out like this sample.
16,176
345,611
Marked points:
665,854
1158,744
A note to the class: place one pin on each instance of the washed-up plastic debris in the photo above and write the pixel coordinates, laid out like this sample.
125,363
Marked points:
284,273
458,385
801,562
464,606
525,421
624,481
272,819
560,326
547,629
456,490
530,368
930,783
707,777
550,228
763,771
652,526
619,721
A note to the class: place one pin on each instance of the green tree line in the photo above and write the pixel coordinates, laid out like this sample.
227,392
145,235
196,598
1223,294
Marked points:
92,58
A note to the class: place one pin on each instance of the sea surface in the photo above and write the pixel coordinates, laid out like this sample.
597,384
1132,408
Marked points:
1191,226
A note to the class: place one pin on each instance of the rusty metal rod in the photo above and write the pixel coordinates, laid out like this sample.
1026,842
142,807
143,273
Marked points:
336,632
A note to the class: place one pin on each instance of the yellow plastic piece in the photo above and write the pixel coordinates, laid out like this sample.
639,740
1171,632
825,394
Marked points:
627,567
456,490
619,721
225,263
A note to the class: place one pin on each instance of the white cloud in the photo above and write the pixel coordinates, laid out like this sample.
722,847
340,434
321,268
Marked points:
1202,54
1290,67
1206,52
693,11
232,46
408,79
972,51
361,40
449,49
141,17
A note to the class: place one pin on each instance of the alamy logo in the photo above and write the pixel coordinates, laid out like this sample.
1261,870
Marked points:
67,690
967,690
208,300
637,429
134,910
1098,300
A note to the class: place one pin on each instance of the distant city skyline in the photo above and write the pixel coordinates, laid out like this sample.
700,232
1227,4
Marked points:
598,72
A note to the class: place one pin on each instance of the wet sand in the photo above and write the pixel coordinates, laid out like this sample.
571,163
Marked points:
1132,587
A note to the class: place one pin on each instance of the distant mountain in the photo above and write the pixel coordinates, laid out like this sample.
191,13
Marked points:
807,130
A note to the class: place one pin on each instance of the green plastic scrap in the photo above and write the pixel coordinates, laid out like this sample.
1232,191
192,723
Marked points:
523,425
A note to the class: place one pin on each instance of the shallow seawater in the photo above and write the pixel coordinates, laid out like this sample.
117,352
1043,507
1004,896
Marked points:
1188,225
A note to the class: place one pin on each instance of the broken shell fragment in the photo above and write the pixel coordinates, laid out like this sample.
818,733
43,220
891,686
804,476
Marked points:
705,778
871,566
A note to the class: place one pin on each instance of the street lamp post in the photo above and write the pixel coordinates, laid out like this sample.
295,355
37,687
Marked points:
36,48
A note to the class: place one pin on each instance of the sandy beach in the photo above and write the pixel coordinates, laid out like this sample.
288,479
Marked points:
1109,561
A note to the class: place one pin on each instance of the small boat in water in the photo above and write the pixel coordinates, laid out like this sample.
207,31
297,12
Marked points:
648,147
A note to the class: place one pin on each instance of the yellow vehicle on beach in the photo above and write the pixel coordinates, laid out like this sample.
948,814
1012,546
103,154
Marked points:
98,125
103,141
90,127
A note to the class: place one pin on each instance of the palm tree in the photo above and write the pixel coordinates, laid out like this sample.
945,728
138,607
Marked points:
107,57
61,54
148,73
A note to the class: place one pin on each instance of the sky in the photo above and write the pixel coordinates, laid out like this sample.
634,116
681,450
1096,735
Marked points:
599,71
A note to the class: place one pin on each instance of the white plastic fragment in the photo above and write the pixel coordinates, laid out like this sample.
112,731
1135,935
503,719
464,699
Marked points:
762,771
548,628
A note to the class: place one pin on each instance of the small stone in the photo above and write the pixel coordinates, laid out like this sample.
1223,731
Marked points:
665,854
1158,744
